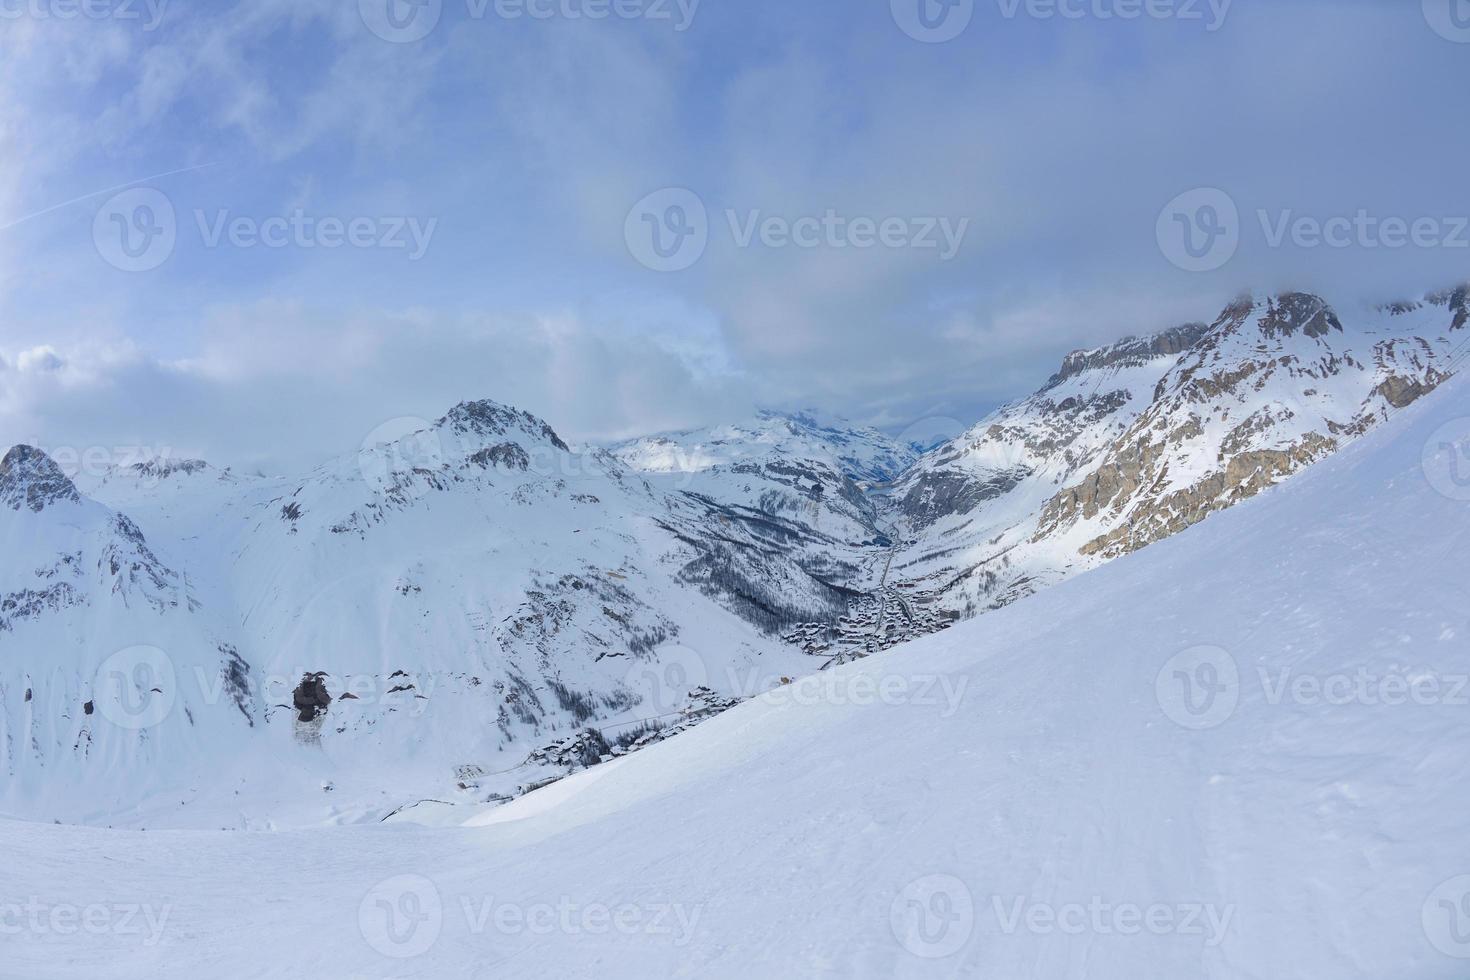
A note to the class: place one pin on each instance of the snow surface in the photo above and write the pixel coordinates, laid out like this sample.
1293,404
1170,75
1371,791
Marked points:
1034,794
1026,795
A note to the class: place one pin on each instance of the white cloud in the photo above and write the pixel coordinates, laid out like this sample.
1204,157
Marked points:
39,359
283,385
529,141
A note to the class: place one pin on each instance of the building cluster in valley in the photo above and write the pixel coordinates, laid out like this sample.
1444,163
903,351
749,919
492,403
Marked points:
873,623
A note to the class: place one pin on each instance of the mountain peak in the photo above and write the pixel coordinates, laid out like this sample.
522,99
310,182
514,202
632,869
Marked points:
486,418
1290,312
30,478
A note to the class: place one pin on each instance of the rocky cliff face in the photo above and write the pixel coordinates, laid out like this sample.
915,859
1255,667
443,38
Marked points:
30,479
1129,444
1273,386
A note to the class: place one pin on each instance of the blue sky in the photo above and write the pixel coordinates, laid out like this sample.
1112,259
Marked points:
519,145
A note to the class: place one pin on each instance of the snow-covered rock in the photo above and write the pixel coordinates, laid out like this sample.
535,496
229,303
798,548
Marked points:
1128,444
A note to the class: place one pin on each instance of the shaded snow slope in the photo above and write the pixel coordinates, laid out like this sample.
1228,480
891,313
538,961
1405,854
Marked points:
1239,753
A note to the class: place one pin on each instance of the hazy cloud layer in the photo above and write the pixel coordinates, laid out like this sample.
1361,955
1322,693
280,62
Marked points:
364,229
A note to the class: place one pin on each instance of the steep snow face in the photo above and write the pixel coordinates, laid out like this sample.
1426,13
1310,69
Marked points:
1217,757
1129,444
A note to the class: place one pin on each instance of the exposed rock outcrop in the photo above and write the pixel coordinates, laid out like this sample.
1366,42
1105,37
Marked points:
31,479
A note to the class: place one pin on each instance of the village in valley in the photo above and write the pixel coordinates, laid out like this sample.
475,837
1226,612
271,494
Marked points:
873,623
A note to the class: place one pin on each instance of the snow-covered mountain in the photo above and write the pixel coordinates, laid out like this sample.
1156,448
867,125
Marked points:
410,620
421,609
811,470
1238,753
1130,443
861,453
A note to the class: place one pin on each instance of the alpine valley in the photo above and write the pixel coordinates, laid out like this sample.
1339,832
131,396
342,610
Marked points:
465,613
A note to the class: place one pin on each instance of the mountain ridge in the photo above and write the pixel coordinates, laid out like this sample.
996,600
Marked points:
461,591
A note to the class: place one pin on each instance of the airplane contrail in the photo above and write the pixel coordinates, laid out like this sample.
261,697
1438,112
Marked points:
105,190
